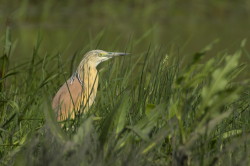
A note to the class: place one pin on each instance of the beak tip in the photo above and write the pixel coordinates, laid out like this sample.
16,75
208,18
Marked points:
125,53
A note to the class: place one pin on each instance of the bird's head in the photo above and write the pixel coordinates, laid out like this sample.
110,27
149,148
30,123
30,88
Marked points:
95,57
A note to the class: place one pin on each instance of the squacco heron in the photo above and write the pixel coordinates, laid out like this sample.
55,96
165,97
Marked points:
78,93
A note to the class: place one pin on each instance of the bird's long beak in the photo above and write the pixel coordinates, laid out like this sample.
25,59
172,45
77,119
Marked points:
113,54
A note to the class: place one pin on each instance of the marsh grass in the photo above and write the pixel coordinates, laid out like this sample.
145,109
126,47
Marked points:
150,110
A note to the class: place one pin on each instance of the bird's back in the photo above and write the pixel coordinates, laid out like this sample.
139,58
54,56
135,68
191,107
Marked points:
67,99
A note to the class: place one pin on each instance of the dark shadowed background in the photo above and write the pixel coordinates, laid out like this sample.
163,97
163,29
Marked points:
68,26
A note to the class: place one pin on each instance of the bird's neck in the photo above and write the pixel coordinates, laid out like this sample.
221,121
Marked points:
88,75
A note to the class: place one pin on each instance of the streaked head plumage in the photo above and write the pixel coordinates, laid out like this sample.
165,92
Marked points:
95,57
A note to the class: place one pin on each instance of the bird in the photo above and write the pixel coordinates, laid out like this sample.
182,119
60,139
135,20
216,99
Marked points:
78,93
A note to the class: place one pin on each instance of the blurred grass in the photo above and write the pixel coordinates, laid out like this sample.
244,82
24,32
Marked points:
166,104
71,25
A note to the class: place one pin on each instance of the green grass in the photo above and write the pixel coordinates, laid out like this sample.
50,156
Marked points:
150,109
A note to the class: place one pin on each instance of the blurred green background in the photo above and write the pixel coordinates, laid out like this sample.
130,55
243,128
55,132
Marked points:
67,26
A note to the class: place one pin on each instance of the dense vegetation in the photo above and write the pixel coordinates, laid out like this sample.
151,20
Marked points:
154,111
